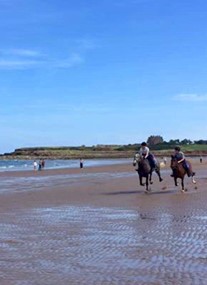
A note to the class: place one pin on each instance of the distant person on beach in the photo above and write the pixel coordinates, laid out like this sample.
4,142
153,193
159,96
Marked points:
40,165
35,165
201,159
43,163
81,163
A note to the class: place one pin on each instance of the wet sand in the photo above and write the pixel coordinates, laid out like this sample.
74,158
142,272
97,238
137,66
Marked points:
97,226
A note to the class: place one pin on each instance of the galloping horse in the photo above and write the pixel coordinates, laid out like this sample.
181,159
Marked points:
144,170
179,172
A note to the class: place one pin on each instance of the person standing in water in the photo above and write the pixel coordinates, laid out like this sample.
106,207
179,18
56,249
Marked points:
35,165
40,165
81,163
43,163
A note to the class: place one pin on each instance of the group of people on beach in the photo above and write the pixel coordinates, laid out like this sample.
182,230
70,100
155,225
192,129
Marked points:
40,165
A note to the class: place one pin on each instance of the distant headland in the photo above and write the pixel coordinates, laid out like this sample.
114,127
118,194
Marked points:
101,151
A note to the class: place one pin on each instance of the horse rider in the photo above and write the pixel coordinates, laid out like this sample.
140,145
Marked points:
179,155
145,152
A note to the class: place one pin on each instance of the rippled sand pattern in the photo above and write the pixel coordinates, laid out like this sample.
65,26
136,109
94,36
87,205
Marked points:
88,245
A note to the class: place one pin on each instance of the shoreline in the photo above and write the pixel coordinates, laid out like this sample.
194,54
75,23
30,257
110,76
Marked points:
91,168
66,164
65,170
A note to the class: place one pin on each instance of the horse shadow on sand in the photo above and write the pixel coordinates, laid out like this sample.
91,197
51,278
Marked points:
133,192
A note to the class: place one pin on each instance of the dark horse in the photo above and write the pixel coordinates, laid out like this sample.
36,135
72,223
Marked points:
145,170
179,172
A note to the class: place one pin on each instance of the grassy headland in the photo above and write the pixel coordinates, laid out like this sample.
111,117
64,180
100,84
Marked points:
99,151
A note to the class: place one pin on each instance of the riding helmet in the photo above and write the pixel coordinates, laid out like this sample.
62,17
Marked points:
177,148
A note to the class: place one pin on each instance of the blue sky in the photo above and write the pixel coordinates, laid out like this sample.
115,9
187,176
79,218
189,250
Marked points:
101,72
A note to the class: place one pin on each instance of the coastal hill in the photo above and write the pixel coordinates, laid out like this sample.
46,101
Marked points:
71,152
99,151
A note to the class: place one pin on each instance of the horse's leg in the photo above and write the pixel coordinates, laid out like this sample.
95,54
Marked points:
150,177
158,173
140,180
192,174
175,180
193,179
182,185
147,183
190,171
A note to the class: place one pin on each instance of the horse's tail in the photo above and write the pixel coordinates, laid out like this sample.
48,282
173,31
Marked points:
162,164
157,167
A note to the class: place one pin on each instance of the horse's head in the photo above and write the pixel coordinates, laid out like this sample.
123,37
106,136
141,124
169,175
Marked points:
143,165
136,158
174,162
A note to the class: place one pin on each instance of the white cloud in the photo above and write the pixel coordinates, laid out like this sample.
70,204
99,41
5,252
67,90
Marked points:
74,59
190,97
26,59
18,64
23,52
15,52
20,58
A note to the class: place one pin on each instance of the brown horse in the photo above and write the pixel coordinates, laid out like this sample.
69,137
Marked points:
144,170
179,172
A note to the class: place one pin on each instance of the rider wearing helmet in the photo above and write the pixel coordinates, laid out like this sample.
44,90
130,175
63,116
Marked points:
145,152
179,155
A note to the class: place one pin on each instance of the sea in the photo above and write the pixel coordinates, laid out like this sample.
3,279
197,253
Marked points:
23,165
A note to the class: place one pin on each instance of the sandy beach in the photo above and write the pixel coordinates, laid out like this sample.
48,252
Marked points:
97,226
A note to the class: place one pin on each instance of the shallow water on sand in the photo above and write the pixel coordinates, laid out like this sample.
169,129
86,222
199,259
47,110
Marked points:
21,184
88,245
